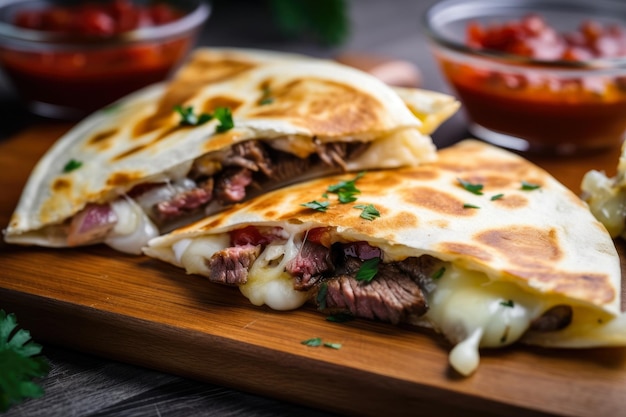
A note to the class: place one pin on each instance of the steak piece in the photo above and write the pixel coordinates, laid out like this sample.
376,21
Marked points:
185,201
231,265
391,296
310,263
250,154
556,318
231,185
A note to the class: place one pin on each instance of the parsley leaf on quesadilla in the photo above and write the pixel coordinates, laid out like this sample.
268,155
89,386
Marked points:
472,188
368,270
332,345
188,118
71,165
438,273
527,186
317,205
508,303
497,197
266,98
369,212
225,117
470,206
346,190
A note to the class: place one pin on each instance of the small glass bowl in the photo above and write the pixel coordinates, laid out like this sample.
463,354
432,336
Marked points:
557,107
68,76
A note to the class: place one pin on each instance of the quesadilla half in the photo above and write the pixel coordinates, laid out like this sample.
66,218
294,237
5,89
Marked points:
482,245
231,124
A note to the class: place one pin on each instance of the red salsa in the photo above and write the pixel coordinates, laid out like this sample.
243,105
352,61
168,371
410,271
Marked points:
84,77
546,109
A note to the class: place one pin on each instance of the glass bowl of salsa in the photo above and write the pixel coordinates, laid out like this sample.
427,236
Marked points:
539,76
66,59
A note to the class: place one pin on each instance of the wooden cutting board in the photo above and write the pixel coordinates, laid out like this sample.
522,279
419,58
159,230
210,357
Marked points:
144,312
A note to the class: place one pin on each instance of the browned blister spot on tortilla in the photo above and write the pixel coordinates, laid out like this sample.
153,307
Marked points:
423,173
437,201
101,139
526,246
595,288
325,107
511,201
221,101
122,178
61,185
129,152
472,251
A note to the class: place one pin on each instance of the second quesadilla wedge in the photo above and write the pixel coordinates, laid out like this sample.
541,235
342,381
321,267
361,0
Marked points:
233,123
482,245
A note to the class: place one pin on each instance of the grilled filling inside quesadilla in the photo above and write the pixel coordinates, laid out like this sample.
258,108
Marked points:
206,185
286,267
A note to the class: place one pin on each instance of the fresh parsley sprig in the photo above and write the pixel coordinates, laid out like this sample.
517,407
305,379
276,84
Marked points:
471,187
528,186
368,270
72,165
346,190
189,118
20,363
368,211
317,205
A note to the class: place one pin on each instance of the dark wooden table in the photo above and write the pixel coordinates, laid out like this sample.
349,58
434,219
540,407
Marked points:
83,385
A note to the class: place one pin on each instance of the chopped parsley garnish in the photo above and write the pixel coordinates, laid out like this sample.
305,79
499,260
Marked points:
313,342
497,197
438,273
317,205
528,186
508,303
321,296
332,345
20,362
470,206
472,188
266,98
369,212
189,118
225,118
71,165
368,270
340,317
346,190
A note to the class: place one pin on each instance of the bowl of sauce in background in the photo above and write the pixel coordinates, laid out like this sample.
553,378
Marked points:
542,76
66,59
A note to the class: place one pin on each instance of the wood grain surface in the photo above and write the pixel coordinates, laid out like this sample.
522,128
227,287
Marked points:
147,313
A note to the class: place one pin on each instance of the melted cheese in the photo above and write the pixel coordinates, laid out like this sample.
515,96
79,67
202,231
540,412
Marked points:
133,229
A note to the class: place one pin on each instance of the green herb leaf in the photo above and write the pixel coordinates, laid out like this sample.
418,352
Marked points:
470,206
438,273
369,212
346,190
189,118
71,165
20,363
497,197
527,186
340,317
266,98
321,296
472,188
225,118
508,303
317,205
332,345
368,270
313,342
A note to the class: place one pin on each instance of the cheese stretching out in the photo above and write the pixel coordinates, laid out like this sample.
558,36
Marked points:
475,245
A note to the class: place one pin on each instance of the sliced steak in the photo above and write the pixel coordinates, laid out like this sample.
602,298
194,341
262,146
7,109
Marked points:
231,265
391,296
310,263
556,318
184,202
230,186
250,154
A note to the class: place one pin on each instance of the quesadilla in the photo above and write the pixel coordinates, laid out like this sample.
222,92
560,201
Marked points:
482,245
231,124
606,197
